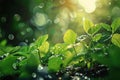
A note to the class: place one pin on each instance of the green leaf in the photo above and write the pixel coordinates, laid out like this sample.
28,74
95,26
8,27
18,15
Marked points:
54,63
94,29
8,66
68,57
114,53
111,60
87,24
44,47
116,39
97,37
3,43
70,37
80,48
25,76
30,64
59,48
88,65
15,49
41,40
115,25
106,26
33,60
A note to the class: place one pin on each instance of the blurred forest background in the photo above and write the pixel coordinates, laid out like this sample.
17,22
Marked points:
23,21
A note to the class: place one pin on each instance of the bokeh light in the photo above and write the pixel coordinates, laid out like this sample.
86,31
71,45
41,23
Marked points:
88,5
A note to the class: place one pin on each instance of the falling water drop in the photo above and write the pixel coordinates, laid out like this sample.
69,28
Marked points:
3,19
106,54
22,44
26,40
62,1
49,21
41,5
34,39
81,74
34,75
10,36
76,78
28,29
49,76
40,78
77,74
85,77
22,33
57,20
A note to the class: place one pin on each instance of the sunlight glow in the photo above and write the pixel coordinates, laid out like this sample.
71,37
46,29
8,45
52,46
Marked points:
88,5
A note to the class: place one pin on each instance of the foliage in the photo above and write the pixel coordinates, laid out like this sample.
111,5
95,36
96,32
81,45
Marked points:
86,50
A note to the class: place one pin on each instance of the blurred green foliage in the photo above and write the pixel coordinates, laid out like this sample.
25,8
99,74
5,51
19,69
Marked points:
29,19
81,51
22,22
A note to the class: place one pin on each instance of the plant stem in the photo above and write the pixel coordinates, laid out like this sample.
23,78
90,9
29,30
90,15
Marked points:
74,49
39,56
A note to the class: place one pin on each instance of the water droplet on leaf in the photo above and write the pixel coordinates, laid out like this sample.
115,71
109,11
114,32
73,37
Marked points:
6,54
109,3
14,66
21,58
40,67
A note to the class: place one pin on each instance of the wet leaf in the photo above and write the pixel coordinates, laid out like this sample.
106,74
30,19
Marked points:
44,47
70,37
6,66
68,57
54,63
116,39
106,26
87,24
88,65
97,37
41,40
94,29
32,62
15,49
59,48
25,76
115,25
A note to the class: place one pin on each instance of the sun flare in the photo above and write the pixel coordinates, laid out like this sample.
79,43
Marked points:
88,5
